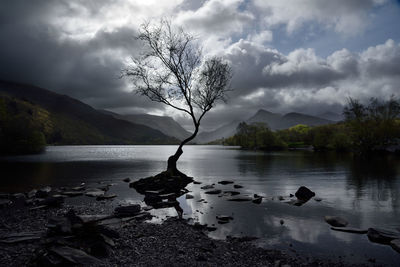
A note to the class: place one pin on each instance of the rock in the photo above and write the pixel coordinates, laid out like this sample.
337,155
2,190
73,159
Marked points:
336,221
231,193
19,196
93,218
78,188
20,237
225,182
189,196
72,193
239,199
281,198
168,196
291,195
281,222
213,192
32,193
43,192
257,200
224,217
382,235
207,187
395,244
318,199
237,186
52,201
196,182
127,180
5,203
162,181
94,193
75,256
303,193
126,211
104,197
350,230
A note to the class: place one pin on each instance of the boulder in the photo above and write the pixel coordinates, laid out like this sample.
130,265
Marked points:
303,193
336,221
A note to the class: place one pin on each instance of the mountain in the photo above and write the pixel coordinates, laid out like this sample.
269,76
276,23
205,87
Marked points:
332,116
274,120
294,118
164,124
74,122
224,131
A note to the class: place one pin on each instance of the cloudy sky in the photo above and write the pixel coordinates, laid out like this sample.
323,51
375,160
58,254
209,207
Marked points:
295,55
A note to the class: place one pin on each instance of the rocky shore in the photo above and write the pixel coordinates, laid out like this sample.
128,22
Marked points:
134,242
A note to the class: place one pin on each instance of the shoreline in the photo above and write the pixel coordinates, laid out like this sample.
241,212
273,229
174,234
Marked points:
174,242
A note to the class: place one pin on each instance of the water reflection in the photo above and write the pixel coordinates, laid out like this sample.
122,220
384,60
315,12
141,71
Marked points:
364,191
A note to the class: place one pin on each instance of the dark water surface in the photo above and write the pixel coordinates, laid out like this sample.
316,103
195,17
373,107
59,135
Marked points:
364,191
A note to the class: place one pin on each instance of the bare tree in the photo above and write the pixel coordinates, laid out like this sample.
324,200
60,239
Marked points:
173,71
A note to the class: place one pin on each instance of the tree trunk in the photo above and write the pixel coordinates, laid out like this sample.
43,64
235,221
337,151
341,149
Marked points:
172,160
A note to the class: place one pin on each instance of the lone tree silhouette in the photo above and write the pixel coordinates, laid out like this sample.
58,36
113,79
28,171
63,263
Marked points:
173,71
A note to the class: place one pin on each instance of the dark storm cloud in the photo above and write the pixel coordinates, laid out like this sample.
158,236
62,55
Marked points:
35,51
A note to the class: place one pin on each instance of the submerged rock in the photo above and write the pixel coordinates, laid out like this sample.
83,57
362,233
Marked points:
395,244
382,235
336,221
257,200
207,187
303,193
213,192
350,230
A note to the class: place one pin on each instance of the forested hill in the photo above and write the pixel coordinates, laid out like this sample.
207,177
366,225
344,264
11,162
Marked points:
69,121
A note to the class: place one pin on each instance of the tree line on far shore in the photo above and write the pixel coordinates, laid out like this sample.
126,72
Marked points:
367,127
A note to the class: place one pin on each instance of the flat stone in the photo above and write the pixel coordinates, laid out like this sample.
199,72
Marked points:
196,182
21,237
225,182
95,193
336,221
237,186
126,211
231,193
207,187
350,230
224,217
75,256
213,192
72,193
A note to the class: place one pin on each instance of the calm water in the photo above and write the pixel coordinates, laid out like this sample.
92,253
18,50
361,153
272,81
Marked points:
366,191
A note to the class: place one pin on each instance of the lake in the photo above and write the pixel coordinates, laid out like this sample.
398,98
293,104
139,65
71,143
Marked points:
364,191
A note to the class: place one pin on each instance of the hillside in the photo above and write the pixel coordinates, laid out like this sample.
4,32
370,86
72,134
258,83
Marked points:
164,124
74,122
274,121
